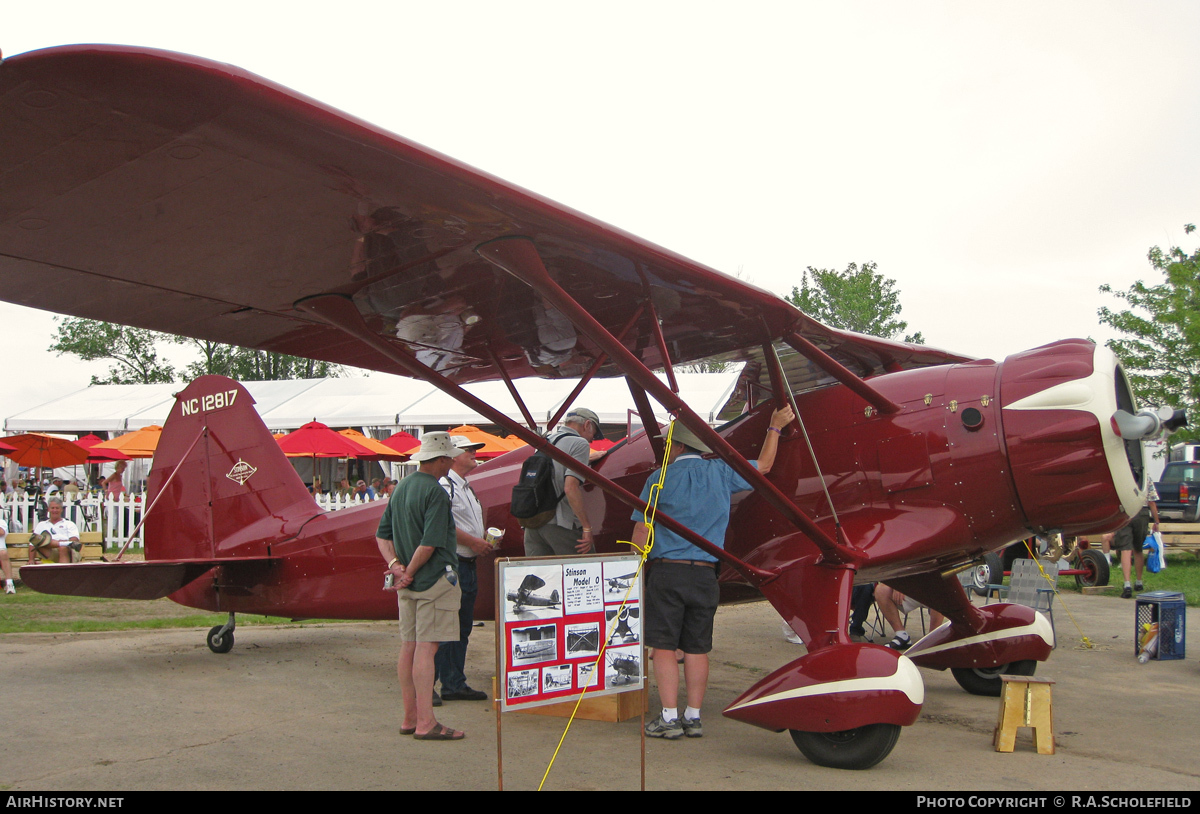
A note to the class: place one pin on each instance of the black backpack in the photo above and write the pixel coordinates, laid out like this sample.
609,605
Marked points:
534,498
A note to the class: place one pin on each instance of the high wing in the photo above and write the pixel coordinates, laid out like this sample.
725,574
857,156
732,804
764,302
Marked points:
186,196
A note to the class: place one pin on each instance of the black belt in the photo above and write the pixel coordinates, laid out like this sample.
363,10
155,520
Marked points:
705,563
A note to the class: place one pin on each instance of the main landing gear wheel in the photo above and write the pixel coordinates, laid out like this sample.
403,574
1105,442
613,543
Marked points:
1093,562
218,643
988,571
979,681
859,748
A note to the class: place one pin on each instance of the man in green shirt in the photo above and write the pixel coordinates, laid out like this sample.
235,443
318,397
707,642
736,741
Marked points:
416,538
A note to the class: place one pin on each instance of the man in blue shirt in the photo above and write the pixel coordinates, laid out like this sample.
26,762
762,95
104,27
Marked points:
681,585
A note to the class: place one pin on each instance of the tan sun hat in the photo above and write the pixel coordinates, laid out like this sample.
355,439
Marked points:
682,435
435,445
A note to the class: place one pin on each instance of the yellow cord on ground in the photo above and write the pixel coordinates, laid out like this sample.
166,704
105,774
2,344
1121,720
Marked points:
1084,642
649,514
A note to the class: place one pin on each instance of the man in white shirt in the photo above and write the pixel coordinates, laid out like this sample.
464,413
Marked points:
450,662
64,535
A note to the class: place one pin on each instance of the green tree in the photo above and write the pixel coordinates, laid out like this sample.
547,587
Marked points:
249,365
132,350
1160,349
858,299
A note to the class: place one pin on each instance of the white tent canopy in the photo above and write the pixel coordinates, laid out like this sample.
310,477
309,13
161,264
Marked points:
376,401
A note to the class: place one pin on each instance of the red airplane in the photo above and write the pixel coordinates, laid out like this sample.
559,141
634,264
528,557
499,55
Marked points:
172,193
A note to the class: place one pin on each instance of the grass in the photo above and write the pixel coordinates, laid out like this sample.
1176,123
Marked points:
1182,575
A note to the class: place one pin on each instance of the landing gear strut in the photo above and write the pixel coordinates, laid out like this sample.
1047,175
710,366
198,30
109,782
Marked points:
220,638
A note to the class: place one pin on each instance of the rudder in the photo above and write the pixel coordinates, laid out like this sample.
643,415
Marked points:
235,491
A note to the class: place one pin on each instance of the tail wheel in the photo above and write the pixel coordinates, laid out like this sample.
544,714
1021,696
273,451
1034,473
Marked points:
859,748
218,643
986,681
1092,562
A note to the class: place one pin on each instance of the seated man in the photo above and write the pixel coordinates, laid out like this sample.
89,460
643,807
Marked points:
5,565
892,603
64,535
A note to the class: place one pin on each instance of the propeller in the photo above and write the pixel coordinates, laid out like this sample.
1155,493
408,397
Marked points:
1148,423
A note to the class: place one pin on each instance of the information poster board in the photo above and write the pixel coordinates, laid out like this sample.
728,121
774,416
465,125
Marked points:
556,617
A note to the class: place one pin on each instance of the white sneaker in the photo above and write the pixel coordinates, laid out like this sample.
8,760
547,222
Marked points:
9,589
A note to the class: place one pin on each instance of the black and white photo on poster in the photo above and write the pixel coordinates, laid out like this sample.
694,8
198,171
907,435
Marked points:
522,683
583,640
622,666
533,592
583,587
534,644
621,578
587,676
623,625
556,678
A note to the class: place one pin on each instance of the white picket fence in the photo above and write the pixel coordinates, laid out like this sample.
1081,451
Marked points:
117,517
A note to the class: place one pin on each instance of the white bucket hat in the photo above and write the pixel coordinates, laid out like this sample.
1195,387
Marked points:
435,445
463,442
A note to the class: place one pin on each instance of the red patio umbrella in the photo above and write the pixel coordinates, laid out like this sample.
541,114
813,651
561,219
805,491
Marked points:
102,455
402,442
5,448
316,440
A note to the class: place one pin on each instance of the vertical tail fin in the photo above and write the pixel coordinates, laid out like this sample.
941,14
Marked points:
234,493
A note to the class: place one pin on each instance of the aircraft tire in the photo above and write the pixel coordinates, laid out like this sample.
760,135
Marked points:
218,643
988,571
979,681
859,748
1097,567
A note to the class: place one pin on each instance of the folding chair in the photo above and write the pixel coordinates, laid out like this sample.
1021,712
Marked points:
1028,587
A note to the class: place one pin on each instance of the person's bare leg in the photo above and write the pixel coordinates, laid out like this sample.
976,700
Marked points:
423,674
5,565
1139,563
883,596
695,675
404,672
666,675
1126,556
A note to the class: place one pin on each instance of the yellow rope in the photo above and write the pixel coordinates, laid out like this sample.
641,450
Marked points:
1084,642
650,512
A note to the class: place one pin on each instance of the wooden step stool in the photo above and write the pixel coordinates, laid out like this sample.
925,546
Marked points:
1025,701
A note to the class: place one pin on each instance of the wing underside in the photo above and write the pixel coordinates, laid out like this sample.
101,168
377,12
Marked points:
186,196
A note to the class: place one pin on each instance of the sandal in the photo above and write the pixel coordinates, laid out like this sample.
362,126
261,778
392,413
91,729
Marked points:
440,733
408,730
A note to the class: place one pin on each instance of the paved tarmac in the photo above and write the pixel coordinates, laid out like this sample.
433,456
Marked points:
317,707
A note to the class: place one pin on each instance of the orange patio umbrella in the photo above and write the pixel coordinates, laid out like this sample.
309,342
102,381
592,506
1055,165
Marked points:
379,450
47,451
493,445
137,444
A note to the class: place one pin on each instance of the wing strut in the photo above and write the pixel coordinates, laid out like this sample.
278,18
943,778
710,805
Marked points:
601,358
340,312
519,257
840,372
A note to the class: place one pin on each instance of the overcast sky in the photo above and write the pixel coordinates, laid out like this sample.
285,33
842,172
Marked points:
999,161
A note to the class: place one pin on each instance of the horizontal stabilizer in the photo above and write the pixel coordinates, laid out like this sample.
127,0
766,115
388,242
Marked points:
121,580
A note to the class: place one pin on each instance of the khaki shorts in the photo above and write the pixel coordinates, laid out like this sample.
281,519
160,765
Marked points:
430,615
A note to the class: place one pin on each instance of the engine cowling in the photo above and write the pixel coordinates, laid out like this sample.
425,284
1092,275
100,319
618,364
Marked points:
1071,470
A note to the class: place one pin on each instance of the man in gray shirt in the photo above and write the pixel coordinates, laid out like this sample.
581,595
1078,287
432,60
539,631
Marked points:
570,532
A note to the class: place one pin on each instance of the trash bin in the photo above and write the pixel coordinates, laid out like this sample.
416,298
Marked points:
1168,610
